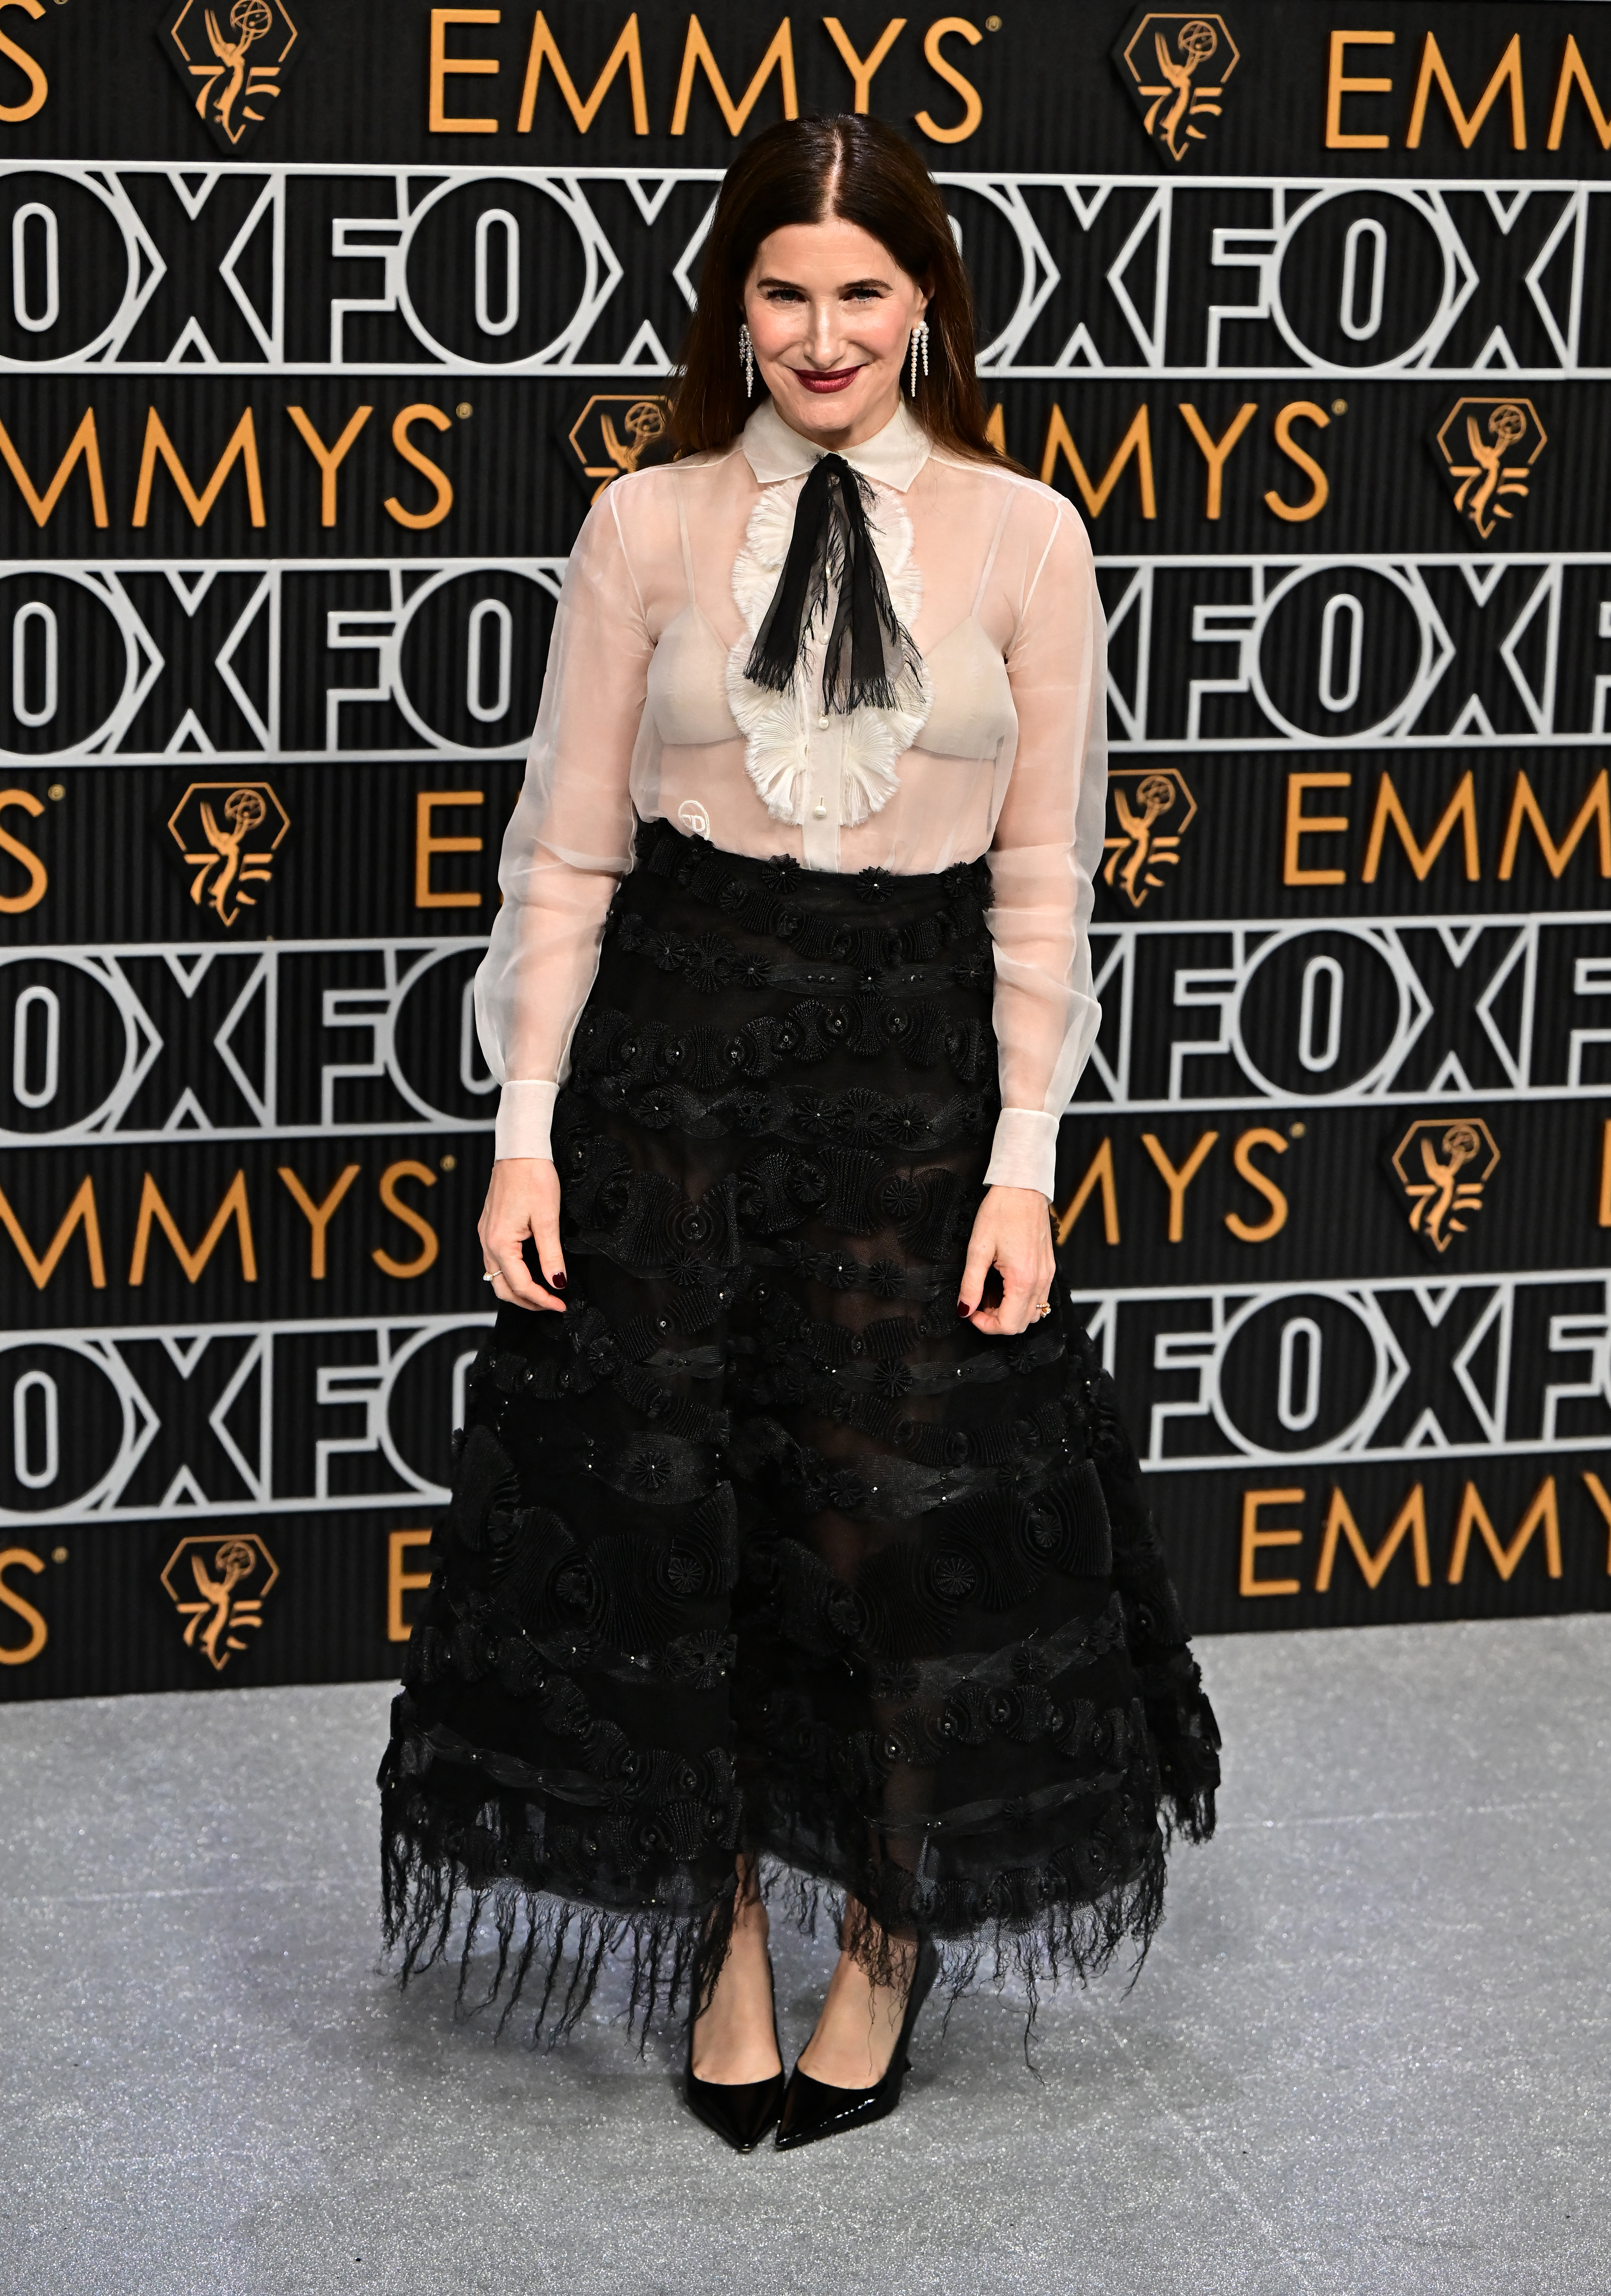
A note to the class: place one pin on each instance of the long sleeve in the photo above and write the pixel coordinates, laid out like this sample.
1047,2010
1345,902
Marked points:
570,838
1047,846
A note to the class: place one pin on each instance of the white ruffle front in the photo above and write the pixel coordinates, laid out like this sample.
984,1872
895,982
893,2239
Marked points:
777,727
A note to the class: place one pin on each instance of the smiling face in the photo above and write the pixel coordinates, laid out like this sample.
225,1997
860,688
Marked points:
830,314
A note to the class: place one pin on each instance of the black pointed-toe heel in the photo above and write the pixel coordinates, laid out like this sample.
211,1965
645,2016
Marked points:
812,2109
741,2112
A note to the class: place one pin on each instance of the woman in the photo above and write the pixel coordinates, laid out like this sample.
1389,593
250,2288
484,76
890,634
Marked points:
793,1521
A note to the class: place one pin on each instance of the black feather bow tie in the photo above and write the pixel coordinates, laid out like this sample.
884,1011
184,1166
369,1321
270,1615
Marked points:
869,655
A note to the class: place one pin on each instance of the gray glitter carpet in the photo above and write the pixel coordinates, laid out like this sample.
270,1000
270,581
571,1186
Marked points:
1369,2051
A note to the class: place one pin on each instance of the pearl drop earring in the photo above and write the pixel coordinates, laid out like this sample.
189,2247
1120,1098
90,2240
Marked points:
920,341
746,352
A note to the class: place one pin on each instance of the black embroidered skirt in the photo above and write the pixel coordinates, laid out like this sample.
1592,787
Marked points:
759,1548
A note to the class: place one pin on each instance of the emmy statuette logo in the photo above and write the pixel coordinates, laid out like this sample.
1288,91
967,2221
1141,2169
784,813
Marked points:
232,58
219,1587
1176,67
1488,447
1136,847
1442,1164
228,832
619,432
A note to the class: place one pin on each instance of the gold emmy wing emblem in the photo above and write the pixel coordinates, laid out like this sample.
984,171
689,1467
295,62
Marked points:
1442,1164
617,433
1488,447
1138,848
232,58
228,831
1176,68
219,1587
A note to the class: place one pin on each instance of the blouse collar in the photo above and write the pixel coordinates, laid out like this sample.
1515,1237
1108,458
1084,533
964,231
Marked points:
893,457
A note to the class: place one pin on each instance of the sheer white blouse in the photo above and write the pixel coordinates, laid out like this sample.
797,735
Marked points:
646,713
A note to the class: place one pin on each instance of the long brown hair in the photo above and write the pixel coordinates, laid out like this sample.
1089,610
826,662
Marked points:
804,171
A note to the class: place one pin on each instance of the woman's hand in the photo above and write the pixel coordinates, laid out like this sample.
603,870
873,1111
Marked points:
522,1200
1012,1234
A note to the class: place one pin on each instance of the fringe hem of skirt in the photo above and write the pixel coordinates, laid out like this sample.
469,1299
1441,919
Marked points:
1068,1937
556,1948
1186,1739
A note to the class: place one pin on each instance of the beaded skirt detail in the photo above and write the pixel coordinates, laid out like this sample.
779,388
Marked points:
759,1547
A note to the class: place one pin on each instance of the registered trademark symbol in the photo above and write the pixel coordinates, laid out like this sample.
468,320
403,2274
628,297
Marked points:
1339,406
57,789
463,410
993,23
448,1163
1295,1131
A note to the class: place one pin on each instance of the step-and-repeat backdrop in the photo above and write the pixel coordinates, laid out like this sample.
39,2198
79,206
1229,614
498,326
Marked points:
322,322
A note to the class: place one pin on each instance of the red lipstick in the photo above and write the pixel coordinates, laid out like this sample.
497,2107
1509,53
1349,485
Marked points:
839,379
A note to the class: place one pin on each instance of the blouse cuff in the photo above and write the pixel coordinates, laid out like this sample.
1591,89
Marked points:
1024,1152
525,1118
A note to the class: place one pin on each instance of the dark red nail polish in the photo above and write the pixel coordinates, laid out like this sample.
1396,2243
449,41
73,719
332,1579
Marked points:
557,1283
964,1310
